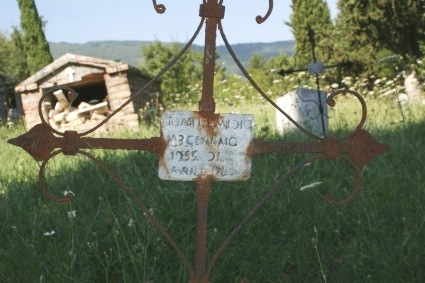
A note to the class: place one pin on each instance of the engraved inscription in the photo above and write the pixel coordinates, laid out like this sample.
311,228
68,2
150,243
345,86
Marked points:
198,146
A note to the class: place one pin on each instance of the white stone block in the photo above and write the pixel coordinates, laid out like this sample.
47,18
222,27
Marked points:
304,107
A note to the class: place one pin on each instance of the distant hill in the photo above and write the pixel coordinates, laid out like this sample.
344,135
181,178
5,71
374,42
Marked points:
130,51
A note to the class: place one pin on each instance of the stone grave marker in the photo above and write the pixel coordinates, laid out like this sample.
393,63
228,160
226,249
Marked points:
302,105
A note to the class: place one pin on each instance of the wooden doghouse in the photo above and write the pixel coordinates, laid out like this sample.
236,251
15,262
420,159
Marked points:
102,87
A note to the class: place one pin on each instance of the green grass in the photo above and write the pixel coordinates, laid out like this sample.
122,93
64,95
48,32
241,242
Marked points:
295,237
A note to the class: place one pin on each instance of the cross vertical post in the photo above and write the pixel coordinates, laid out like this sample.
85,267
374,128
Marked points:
203,189
310,33
213,12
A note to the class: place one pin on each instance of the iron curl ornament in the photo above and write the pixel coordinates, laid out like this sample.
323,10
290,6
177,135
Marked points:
159,8
356,148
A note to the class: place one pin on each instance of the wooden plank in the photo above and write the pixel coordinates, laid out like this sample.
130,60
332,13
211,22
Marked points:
83,105
93,107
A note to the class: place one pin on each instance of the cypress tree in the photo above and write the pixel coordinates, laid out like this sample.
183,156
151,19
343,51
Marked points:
370,30
312,28
355,37
36,47
400,26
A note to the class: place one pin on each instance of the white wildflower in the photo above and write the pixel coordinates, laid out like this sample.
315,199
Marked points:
72,214
335,85
150,212
48,234
403,98
68,193
131,223
310,186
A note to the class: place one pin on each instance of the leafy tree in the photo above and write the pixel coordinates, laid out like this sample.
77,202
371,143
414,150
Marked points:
312,28
372,33
257,62
355,38
264,71
400,26
20,64
259,71
182,80
5,54
12,64
35,45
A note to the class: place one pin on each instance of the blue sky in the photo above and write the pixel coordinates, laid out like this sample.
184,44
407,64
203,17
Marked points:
79,21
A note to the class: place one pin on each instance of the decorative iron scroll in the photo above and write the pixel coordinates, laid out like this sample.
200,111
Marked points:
356,148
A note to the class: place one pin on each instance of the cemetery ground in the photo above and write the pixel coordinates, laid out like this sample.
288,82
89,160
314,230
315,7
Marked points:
102,236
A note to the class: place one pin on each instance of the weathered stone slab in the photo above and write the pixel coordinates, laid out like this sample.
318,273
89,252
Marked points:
215,146
303,106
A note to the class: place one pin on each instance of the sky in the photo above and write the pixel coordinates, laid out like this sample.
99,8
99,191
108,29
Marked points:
80,21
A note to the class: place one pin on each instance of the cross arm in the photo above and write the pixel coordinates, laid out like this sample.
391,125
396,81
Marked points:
39,142
360,146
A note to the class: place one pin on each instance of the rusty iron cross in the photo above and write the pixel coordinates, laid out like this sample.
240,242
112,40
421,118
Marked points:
206,131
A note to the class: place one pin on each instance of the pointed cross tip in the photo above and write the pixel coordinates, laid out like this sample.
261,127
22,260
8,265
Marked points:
14,141
38,142
364,148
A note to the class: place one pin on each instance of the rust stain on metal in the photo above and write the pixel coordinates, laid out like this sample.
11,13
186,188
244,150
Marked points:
38,142
205,143
208,118
164,143
363,147
70,145
331,148
211,10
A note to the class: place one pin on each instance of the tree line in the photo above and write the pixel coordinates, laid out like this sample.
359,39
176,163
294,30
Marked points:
367,39
373,37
